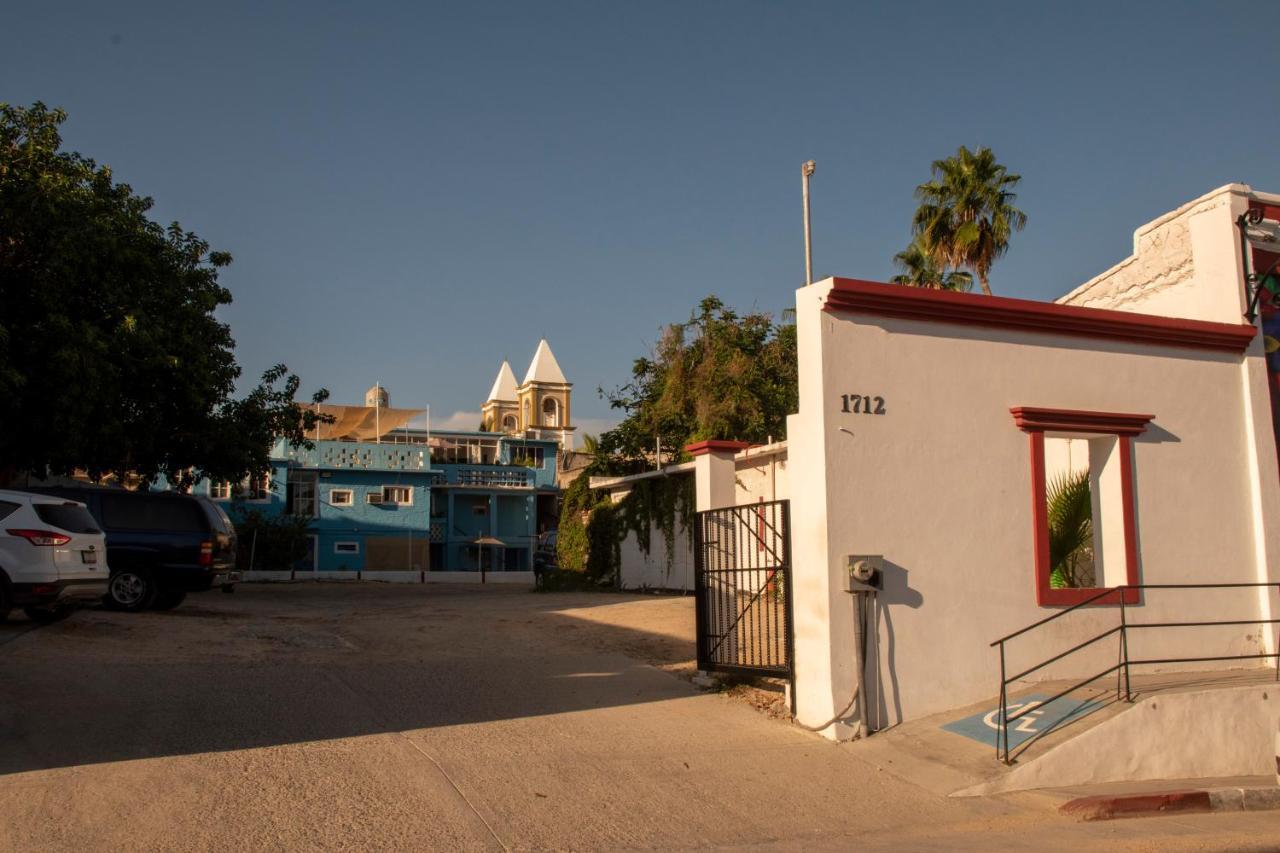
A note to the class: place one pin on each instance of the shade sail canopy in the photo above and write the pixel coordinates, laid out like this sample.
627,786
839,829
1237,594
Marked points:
360,423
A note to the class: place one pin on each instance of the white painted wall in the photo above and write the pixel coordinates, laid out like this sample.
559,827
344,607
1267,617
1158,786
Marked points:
940,485
639,570
652,570
761,474
1187,263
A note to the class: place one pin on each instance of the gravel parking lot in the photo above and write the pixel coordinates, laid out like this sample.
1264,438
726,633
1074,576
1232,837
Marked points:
345,716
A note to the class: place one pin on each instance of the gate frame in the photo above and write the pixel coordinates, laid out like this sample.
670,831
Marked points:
702,634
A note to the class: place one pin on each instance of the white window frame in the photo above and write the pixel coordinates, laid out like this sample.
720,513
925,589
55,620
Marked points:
346,547
408,490
249,497
349,499
220,491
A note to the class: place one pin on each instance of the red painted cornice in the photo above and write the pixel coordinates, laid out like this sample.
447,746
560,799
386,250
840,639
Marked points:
1002,312
712,446
1269,211
1036,419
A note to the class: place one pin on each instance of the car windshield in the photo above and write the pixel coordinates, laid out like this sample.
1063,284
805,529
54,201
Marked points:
70,517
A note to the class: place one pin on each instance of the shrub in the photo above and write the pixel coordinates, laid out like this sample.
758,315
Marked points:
268,543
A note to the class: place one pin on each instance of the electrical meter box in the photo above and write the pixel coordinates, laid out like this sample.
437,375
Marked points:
865,573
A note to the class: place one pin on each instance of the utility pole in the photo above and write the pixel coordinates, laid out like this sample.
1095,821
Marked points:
806,172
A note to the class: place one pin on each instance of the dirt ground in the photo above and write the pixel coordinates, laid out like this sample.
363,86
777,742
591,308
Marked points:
391,717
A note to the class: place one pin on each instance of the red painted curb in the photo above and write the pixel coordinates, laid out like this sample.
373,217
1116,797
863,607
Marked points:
1136,805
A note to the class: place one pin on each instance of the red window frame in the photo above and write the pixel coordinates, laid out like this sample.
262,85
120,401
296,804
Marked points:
1036,421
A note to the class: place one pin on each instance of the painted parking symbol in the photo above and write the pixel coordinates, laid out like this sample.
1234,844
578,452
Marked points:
1034,716
1022,710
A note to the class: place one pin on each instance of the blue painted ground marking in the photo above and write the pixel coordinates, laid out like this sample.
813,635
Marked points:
983,725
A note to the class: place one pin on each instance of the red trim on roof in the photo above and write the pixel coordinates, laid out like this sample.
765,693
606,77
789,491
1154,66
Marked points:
1037,419
1269,211
1002,312
713,446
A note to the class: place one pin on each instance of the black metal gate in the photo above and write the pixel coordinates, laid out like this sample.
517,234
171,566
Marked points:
742,568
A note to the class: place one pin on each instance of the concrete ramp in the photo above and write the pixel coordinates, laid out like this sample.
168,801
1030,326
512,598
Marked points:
1229,731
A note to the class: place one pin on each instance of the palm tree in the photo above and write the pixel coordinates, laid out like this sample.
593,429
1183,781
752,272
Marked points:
920,270
966,213
1070,511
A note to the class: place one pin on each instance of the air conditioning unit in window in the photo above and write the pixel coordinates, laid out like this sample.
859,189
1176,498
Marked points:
373,498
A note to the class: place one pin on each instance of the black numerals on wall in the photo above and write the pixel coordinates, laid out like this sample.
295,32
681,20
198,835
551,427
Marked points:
862,405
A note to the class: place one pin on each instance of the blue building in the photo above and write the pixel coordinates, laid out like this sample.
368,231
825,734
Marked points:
409,501
381,495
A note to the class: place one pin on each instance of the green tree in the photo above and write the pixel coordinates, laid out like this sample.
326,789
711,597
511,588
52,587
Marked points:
920,270
1070,511
720,375
111,357
966,213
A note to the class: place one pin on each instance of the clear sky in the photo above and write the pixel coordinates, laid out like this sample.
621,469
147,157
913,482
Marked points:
414,191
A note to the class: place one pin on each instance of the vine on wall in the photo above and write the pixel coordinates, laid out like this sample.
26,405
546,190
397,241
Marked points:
661,502
593,528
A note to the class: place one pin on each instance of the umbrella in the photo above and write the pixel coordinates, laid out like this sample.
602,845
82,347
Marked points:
483,541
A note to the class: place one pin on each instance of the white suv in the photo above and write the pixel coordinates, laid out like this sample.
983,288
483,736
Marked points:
52,555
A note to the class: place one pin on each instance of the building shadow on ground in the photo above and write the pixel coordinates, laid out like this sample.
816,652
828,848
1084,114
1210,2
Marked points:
269,667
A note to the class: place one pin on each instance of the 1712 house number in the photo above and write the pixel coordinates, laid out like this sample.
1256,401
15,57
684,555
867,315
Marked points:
860,405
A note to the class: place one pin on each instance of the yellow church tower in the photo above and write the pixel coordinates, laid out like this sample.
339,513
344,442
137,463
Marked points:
539,407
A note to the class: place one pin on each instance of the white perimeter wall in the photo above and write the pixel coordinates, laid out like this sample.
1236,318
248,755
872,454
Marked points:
653,570
940,485
760,474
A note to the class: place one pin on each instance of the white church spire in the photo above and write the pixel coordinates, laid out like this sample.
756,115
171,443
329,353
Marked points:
504,387
544,367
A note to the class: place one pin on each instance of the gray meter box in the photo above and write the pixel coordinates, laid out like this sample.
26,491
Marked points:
864,573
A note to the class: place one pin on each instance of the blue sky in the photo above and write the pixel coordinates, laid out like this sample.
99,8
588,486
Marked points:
413,192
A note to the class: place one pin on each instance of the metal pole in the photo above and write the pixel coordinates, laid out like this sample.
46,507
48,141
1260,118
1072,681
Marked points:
806,171
1004,711
859,638
1124,647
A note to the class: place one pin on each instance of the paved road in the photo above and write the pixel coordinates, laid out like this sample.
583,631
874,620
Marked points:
436,717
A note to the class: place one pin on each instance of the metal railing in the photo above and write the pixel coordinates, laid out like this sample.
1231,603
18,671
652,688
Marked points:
1123,663
509,477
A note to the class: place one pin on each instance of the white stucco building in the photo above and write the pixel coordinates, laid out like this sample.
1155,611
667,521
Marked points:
932,427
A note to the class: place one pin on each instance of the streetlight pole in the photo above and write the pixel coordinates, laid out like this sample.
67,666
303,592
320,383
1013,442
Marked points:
806,172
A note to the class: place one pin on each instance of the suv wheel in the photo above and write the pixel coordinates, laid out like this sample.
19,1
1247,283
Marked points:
4,603
130,590
169,599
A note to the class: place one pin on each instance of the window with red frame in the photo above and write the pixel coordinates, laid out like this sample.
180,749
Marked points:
1082,500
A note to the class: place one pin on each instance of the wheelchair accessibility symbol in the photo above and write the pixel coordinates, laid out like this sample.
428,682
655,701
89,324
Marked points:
1036,717
1024,723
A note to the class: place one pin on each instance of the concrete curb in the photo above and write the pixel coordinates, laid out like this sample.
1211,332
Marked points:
1111,806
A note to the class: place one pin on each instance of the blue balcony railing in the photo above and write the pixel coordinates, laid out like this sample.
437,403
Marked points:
361,456
495,476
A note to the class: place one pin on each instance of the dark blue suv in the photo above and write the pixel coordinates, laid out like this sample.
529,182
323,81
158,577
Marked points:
160,545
